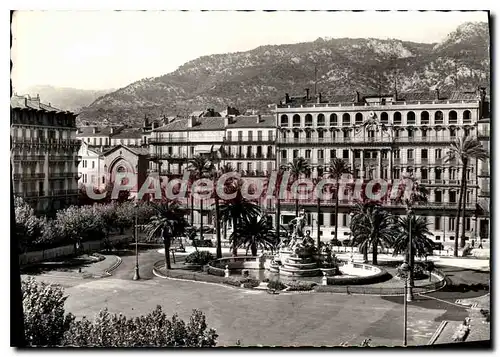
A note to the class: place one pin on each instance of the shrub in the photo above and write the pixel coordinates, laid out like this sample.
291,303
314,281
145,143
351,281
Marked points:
250,283
266,280
44,319
153,329
276,285
335,242
214,271
300,286
199,258
232,281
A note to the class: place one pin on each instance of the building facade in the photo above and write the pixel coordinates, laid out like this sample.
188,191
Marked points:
44,154
388,137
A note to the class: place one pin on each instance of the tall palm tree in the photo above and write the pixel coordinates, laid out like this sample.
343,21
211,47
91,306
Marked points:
298,167
421,243
168,223
254,232
337,169
216,175
371,226
201,167
465,149
237,210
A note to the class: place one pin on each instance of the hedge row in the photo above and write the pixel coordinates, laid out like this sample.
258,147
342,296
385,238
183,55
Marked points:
382,276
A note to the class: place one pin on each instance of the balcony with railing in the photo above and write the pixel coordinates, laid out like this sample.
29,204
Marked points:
383,140
167,140
385,106
248,139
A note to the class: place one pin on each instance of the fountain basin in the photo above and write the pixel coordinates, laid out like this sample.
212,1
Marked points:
299,272
301,265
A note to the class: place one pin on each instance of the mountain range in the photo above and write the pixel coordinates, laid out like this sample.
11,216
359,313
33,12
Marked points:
71,99
256,78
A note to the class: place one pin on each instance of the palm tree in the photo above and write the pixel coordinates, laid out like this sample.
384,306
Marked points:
254,232
371,226
168,223
299,166
217,174
237,210
465,149
421,243
201,167
337,169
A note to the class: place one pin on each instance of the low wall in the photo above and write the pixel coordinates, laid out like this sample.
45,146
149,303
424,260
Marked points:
244,262
64,251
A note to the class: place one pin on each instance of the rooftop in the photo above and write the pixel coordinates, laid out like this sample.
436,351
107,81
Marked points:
266,121
26,102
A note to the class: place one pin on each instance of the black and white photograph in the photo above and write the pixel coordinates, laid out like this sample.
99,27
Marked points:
250,179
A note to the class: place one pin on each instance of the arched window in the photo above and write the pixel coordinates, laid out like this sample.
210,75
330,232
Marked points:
359,118
346,119
333,119
397,118
321,120
296,120
466,116
284,120
384,118
438,117
309,120
452,117
424,118
410,118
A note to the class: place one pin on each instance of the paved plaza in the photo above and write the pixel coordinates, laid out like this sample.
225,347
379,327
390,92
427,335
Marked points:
255,317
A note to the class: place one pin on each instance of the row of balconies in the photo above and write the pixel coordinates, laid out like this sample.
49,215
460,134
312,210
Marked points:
368,140
250,156
389,103
29,176
59,175
60,192
389,203
36,140
348,124
29,157
248,139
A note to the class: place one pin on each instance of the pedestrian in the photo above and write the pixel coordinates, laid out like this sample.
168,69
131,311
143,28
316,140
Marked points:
480,244
473,242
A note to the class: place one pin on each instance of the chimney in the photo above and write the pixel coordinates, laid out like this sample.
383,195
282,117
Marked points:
153,125
307,93
436,94
357,97
259,118
94,130
287,98
191,122
319,98
112,130
25,101
227,121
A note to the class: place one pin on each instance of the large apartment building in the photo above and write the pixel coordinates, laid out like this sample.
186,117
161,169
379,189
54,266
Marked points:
388,137
44,154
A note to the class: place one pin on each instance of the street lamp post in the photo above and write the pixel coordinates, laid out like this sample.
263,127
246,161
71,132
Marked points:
405,268
409,295
136,270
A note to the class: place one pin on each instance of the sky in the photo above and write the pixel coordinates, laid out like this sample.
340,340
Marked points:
106,49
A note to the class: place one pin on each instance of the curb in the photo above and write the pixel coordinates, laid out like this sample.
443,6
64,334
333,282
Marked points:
438,332
114,266
159,275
